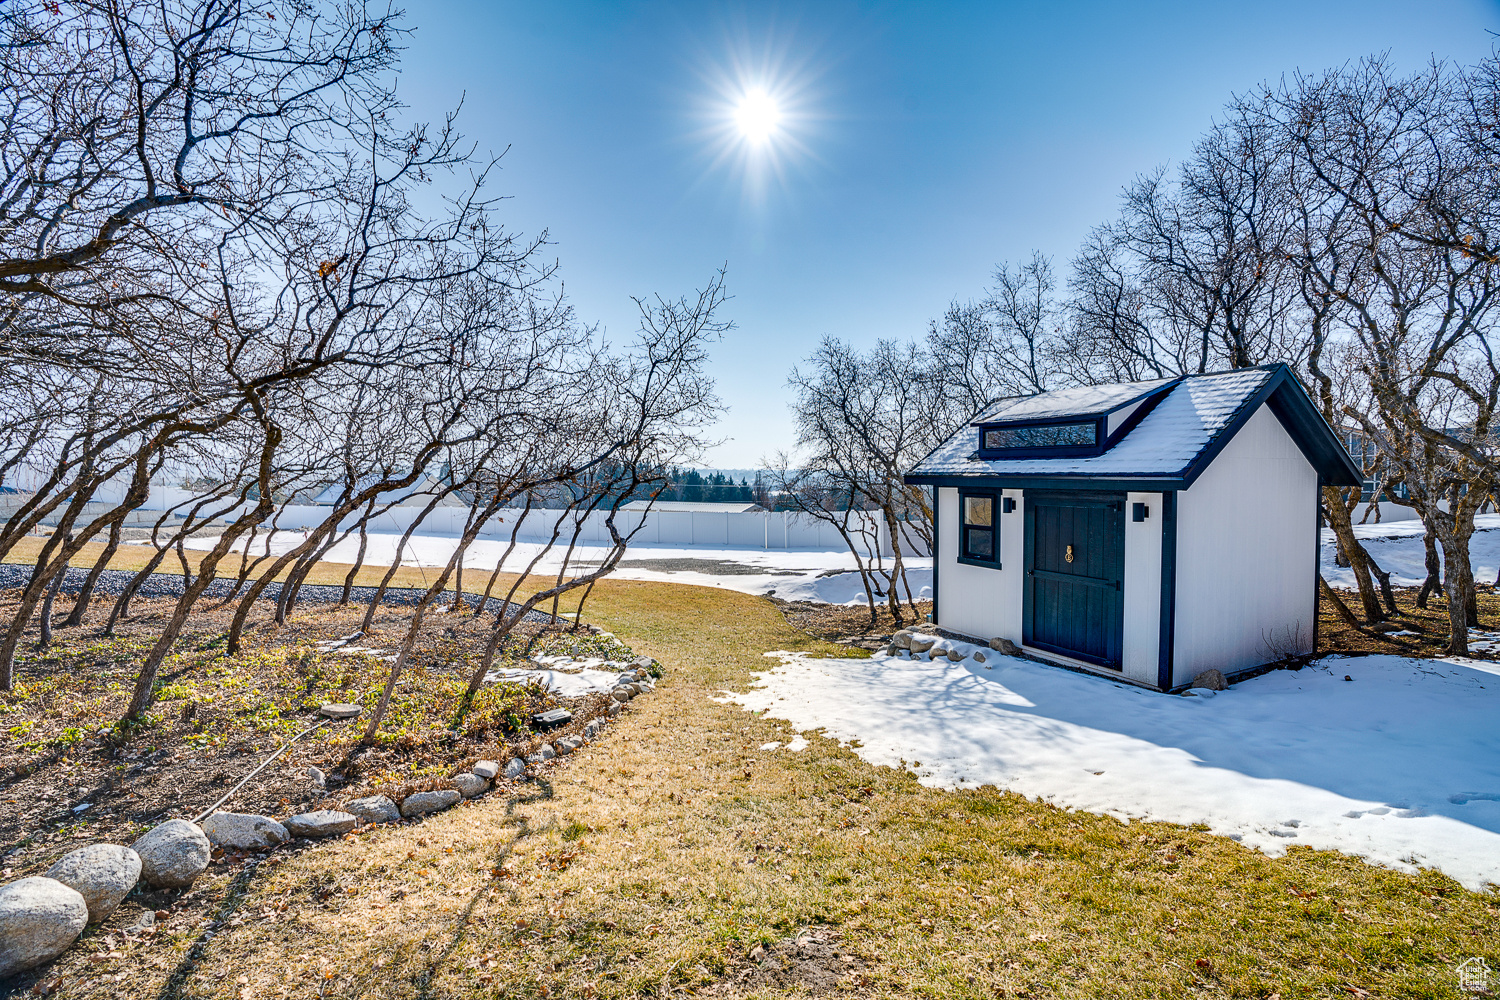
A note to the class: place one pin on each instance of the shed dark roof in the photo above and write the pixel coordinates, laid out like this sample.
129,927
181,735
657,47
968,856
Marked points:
1079,401
1170,446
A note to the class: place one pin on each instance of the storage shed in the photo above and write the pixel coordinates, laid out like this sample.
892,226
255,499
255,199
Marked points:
1147,531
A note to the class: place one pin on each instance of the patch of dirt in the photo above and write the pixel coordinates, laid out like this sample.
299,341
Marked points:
65,778
810,959
849,624
1427,627
711,567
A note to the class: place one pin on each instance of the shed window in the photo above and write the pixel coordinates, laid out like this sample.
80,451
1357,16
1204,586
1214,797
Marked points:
980,543
1041,436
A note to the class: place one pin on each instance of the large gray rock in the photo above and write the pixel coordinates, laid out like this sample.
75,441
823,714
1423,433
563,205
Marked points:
921,643
470,785
419,803
1212,680
486,769
593,727
623,692
567,745
901,640
543,754
322,823
373,809
39,918
955,656
514,768
244,831
613,708
172,854
103,874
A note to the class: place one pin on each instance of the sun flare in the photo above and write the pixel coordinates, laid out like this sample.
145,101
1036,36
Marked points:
757,116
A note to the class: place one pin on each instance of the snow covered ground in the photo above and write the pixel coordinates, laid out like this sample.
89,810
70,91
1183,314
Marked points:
793,574
828,574
1396,547
1400,765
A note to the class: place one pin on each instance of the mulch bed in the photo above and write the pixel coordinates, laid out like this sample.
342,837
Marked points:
64,777
849,624
1430,625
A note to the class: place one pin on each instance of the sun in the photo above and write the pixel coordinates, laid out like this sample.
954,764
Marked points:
757,116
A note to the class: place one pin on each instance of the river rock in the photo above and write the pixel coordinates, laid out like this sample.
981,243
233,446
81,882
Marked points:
172,854
470,785
921,643
979,656
592,728
901,640
623,693
543,754
39,918
486,769
613,708
322,823
103,874
340,711
1212,680
245,831
567,745
373,809
954,655
1005,646
418,803
514,768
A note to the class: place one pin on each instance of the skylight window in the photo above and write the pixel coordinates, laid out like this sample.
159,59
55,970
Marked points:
1074,435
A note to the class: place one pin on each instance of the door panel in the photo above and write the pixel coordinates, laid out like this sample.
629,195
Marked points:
1073,605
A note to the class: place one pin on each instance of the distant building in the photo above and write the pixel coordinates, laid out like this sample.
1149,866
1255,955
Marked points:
686,507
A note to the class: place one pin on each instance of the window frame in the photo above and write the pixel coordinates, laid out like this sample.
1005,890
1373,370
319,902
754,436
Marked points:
1046,451
962,553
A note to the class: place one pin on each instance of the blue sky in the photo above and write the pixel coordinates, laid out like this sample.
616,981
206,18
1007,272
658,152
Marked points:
921,144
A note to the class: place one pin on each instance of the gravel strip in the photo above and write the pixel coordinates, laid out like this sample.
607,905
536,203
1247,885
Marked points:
112,583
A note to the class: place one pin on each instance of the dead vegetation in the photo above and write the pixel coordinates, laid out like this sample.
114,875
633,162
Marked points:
675,857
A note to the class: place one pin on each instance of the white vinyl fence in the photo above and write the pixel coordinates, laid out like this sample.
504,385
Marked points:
762,530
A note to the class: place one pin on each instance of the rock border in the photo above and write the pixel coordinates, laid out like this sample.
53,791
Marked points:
174,853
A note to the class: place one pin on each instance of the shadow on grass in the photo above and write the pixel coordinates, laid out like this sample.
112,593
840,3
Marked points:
523,829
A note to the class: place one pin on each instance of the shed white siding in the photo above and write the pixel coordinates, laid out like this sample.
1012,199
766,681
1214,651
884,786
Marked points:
1141,643
1247,540
976,600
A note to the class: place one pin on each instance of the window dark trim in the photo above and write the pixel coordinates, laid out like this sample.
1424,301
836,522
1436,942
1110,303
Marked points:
961,552
1050,451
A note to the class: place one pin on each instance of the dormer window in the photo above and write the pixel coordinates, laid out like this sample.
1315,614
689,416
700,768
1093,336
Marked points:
1061,439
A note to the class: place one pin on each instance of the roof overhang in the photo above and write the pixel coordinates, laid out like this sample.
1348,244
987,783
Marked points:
1104,484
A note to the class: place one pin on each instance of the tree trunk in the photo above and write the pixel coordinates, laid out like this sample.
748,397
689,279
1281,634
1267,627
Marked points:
1343,530
1434,583
1459,584
359,560
1385,586
46,612
86,593
122,603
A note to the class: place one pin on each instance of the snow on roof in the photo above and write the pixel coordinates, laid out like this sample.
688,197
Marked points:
1164,443
1081,401
690,507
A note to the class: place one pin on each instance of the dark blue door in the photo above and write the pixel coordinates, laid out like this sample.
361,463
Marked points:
1075,558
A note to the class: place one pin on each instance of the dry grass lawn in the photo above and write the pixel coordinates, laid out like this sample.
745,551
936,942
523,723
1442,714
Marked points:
673,857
